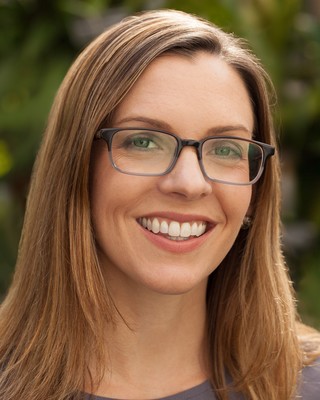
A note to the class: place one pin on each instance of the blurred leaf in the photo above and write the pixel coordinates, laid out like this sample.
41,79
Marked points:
83,8
6,160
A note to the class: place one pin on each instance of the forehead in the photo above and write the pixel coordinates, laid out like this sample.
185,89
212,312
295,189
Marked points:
189,94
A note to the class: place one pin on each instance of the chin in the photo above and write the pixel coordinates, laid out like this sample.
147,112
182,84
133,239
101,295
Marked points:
175,285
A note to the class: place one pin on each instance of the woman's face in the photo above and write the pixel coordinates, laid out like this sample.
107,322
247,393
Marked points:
192,98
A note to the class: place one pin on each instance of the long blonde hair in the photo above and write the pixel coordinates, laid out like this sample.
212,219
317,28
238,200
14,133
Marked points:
53,316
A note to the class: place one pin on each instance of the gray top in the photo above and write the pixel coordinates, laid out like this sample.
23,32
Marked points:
310,382
203,391
309,388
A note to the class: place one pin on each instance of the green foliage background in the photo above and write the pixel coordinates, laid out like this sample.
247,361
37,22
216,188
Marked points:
39,39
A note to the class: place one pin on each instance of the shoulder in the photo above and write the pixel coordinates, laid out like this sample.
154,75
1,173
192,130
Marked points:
309,385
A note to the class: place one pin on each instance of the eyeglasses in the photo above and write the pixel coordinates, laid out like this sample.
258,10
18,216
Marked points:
147,152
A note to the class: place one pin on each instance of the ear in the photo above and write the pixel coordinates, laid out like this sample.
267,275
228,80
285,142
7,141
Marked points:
252,206
247,222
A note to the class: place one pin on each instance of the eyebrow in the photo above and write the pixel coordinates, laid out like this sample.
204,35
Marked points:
162,125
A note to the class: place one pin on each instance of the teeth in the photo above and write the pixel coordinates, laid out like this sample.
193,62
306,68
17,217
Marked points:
174,229
194,229
177,238
185,230
164,228
201,229
155,226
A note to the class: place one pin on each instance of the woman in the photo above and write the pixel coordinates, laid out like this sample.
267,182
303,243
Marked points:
150,262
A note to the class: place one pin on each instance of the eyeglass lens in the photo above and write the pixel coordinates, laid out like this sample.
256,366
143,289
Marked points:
145,152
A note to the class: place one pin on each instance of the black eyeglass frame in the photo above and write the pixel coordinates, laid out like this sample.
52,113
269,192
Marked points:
107,135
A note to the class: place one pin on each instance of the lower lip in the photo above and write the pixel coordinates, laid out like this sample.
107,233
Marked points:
175,246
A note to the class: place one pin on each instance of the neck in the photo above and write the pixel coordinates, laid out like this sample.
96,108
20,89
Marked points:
156,336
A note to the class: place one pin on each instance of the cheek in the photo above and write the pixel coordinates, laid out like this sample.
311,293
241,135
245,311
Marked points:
100,181
235,201
103,177
104,201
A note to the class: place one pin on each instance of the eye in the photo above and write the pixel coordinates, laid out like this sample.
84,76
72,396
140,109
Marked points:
131,142
137,141
143,142
226,149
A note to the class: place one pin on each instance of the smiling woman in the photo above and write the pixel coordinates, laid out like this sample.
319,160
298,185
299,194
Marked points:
150,263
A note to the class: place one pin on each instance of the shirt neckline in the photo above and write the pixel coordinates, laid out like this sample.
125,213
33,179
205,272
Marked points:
190,393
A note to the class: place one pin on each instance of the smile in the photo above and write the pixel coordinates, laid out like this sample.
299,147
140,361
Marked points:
174,230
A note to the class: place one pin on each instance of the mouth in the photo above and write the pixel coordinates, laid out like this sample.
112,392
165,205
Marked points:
174,230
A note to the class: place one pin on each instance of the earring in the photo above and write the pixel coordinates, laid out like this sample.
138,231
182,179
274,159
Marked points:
247,222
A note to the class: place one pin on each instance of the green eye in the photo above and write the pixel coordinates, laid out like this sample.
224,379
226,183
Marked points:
227,151
223,151
144,143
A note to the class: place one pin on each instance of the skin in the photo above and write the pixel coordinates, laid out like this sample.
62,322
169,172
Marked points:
160,289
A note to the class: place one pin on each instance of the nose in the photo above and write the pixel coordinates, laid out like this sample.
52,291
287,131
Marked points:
186,179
